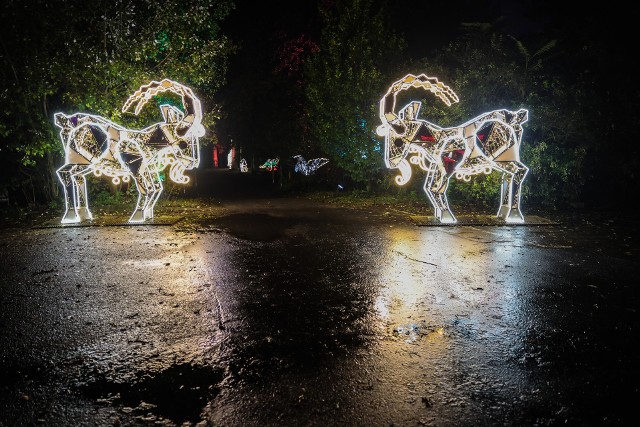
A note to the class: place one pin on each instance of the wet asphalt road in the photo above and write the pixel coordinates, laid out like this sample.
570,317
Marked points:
282,311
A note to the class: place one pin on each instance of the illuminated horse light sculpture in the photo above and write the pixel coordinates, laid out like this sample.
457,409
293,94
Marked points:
93,144
487,142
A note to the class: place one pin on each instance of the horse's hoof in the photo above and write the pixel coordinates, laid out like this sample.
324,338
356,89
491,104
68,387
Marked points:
514,216
137,216
503,212
447,218
84,214
70,218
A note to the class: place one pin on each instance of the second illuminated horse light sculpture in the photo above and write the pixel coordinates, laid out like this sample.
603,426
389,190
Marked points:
93,144
487,142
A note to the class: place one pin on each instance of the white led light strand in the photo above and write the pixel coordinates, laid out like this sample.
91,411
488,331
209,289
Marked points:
93,144
308,167
243,166
488,142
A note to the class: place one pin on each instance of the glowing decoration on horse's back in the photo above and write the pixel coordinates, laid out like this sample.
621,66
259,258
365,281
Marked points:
480,145
93,144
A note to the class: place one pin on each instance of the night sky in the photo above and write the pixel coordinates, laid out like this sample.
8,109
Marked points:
425,24
431,24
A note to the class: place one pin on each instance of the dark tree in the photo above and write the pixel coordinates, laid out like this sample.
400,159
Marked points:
359,55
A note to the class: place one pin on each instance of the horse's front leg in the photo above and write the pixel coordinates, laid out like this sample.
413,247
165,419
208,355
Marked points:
505,195
134,160
446,215
154,195
435,187
145,186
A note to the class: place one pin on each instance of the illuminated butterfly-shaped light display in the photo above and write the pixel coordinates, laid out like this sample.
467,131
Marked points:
308,167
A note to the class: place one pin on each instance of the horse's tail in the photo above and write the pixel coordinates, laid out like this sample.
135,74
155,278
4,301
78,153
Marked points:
516,119
522,116
61,120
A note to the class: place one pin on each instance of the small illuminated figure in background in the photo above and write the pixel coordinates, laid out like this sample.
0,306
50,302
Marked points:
231,157
93,144
490,141
217,153
308,167
271,164
243,166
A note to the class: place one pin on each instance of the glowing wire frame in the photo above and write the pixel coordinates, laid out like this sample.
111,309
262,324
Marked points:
270,164
93,144
308,167
243,166
487,142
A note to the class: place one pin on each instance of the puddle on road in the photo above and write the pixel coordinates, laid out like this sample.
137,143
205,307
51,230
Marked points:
260,227
412,332
178,393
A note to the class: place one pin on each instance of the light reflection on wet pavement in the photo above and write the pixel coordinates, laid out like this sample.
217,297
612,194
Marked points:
288,312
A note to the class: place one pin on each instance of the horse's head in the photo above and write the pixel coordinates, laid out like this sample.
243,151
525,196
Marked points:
184,145
396,147
394,126
395,132
184,126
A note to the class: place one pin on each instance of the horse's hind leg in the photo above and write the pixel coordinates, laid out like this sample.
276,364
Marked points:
64,176
75,193
512,178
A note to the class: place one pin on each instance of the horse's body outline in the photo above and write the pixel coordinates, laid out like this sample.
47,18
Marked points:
486,142
94,144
